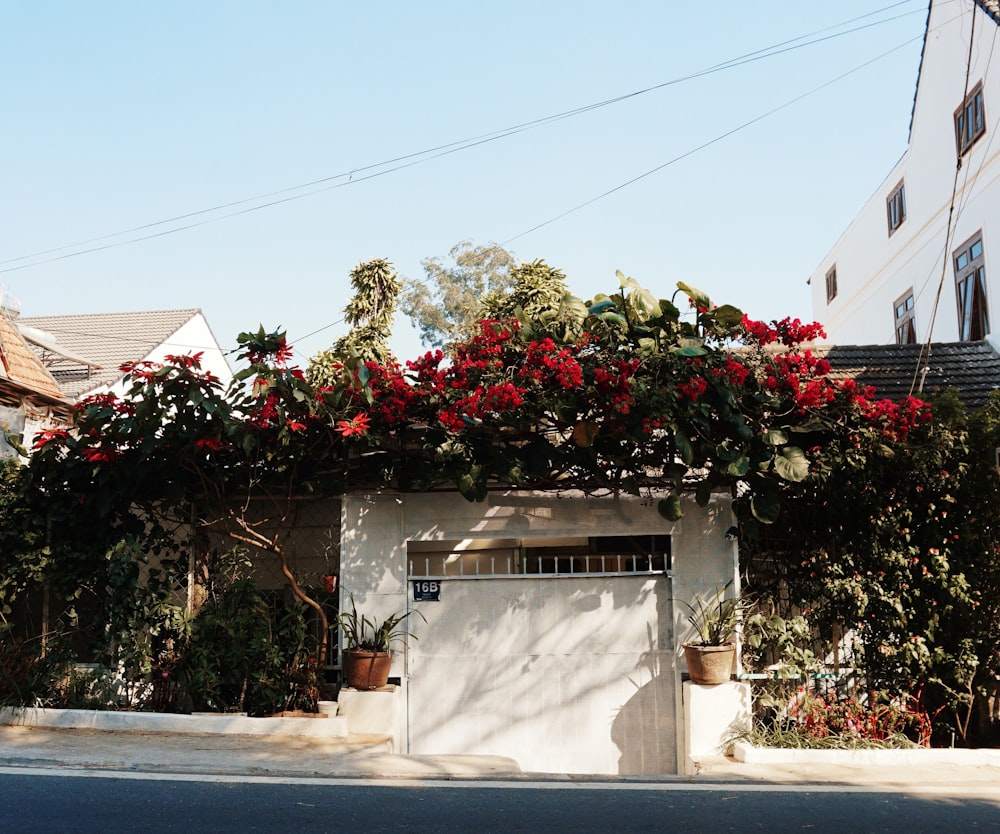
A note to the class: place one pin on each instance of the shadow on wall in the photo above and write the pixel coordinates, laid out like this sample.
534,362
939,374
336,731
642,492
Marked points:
646,750
556,673
645,728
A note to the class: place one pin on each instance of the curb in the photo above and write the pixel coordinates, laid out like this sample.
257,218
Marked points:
79,719
917,757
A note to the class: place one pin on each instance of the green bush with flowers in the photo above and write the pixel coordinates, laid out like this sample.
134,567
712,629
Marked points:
626,392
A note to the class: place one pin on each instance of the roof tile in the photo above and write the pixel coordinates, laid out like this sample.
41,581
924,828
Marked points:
108,339
971,368
19,365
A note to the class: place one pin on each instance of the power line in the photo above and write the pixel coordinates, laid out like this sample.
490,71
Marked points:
707,144
408,160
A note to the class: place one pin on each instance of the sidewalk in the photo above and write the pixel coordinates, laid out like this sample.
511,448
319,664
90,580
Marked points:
275,755
358,756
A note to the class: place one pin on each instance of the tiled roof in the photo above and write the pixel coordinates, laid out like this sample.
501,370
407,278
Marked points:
971,368
18,365
109,340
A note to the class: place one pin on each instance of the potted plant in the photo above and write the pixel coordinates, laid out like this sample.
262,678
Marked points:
711,657
368,646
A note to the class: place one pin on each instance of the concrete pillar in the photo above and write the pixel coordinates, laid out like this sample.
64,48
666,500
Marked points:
711,715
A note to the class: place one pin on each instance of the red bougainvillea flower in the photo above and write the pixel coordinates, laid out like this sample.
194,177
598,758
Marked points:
211,443
692,389
356,425
52,434
100,455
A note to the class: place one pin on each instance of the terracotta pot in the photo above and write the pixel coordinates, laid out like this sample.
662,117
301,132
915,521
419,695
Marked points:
366,670
710,665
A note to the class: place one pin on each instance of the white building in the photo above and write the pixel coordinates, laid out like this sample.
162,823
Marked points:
85,352
921,261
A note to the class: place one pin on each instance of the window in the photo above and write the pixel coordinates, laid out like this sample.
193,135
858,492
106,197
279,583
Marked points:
970,289
970,120
895,208
906,329
831,284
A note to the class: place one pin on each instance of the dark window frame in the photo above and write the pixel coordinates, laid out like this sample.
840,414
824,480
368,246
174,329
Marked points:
970,120
895,207
831,283
904,315
969,262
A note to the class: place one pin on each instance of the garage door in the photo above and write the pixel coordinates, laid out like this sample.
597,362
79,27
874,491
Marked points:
568,668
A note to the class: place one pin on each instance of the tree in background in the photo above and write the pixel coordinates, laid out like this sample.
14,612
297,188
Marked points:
447,305
369,313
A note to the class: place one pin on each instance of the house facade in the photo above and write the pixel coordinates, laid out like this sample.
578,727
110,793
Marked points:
921,261
85,352
547,628
30,398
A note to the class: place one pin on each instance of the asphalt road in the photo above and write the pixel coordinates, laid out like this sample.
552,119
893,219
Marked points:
66,801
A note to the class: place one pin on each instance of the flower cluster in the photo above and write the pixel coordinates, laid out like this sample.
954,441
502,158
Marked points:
788,332
824,717
693,389
894,420
543,361
613,384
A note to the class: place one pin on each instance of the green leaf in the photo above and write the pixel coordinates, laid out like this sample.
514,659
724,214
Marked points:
572,308
697,296
728,314
765,507
668,310
775,437
670,507
792,464
690,350
810,425
602,307
646,346
472,484
684,447
739,466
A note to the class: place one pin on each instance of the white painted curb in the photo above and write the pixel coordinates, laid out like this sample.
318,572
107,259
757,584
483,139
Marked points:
82,719
749,754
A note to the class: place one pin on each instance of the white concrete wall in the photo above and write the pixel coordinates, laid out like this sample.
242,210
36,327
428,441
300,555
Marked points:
712,715
874,268
571,675
196,336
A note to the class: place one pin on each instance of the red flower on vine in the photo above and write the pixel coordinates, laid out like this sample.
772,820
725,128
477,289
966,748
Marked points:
359,424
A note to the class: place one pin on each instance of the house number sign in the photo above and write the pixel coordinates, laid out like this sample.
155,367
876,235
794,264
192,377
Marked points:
426,590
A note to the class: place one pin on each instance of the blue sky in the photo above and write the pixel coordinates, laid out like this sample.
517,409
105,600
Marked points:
122,114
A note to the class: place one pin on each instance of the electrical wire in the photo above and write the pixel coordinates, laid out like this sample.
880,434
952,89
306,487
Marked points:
709,143
923,359
418,157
